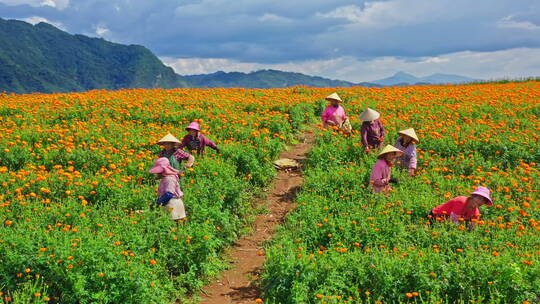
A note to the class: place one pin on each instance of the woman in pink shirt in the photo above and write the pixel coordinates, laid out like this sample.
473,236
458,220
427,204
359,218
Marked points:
195,141
169,192
463,208
334,114
380,174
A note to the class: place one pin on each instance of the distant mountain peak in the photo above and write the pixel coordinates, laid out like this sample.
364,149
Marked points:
264,79
402,74
403,78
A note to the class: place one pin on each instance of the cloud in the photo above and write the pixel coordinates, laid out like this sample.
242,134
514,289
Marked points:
300,33
101,30
194,66
509,22
273,18
384,14
436,60
36,19
59,4
513,63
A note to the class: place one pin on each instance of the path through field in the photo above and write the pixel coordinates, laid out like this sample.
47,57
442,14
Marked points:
238,284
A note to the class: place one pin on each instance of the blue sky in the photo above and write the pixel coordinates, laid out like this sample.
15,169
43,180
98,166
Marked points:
343,39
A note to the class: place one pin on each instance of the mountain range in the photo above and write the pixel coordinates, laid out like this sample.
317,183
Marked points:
265,79
43,58
402,78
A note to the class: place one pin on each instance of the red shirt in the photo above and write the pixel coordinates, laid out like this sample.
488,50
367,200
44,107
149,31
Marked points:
456,208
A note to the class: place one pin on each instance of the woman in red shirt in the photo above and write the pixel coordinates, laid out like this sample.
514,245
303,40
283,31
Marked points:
463,208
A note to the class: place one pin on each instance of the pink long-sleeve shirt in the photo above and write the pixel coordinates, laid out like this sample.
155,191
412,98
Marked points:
333,113
169,183
380,171
202,142
408,159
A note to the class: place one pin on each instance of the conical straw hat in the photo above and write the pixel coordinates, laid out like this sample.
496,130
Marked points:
333,96
369,115
168,138
389,149
410,132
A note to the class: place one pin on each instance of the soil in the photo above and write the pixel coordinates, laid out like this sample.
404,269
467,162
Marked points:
239,283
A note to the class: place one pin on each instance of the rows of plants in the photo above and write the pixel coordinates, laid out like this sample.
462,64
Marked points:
344,244
77,219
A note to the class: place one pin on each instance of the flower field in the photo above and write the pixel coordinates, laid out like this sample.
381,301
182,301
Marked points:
78,222
344,244
73,180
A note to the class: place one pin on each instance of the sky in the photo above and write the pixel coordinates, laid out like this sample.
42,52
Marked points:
340,39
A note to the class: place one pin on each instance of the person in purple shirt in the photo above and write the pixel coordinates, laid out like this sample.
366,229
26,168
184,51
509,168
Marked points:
195,141
406,142
372,130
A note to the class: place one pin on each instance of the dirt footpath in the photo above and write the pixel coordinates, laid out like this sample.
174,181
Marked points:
238,284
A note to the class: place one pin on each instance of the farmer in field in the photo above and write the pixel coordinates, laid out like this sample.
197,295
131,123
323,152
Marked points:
372,130
334,114
169,192
463,208
195,141
406,142
380,174
173,153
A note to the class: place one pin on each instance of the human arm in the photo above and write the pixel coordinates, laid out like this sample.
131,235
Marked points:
378,177
444,209
209,143
339,116
364,135
473,222
183,155
326,115
412,162
344,115
383,132
190,161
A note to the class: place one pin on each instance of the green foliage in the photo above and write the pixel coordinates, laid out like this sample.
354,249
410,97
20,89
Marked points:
345,243
343,240
42,58
78,222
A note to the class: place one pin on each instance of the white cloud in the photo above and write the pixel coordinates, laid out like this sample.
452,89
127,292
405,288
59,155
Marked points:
101,30
59,4
312,31
36,19
383,14
193,66
273,18
436,60
512,63
509,22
